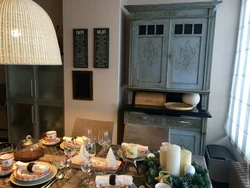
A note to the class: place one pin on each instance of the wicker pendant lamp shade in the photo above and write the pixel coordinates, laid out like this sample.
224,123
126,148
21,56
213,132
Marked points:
27,35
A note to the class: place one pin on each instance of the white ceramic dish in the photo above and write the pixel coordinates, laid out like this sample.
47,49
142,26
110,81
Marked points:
23,175
140,156
46,143
62,146
35,182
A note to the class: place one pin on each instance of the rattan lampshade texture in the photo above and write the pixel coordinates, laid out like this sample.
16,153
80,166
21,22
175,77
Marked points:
27,35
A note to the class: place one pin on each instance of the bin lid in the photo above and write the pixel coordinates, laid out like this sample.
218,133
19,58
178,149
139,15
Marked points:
220,152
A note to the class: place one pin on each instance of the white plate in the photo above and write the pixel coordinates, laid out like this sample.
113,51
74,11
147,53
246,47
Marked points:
36,182
23,175
140,156
46,143
7,172
62,146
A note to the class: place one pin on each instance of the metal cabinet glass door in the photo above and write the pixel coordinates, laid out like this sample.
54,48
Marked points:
51,118
50,83
20,82
21,118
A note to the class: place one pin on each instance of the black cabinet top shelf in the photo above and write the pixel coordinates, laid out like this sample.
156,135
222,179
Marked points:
168,90
158,110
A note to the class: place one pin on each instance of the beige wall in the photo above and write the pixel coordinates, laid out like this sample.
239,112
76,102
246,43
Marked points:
223,60
92,14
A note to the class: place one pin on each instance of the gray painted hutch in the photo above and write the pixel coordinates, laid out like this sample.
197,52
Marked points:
171,52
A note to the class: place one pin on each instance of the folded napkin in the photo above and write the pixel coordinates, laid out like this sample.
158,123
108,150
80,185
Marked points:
79,140
82,156
116,179
110,159
32,167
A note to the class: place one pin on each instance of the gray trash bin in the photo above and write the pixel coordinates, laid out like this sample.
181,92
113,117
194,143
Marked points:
218,159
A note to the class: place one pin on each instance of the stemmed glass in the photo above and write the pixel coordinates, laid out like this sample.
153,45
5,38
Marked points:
69,152
104,140
89,133
87,165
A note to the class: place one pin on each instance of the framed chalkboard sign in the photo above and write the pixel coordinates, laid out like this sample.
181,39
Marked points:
83,85
80,44
101,48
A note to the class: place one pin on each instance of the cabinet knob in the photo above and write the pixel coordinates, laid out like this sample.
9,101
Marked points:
183,122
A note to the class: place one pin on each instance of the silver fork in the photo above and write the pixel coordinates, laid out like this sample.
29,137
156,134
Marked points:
59,176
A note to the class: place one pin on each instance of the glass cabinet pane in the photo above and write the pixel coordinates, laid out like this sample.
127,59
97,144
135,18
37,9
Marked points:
20,81
20,121
50,82
51,118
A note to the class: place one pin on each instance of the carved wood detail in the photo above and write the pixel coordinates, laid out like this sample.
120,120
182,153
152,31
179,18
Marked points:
149,53
186,54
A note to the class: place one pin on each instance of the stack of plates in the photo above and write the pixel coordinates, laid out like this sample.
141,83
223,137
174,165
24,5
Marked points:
23,178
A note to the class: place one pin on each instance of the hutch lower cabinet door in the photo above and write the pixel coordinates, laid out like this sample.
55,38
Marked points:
189,140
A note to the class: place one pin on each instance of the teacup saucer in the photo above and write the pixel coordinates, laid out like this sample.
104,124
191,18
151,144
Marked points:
47,143
7,172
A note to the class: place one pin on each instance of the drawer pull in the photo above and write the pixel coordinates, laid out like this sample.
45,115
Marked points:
183,122
144,118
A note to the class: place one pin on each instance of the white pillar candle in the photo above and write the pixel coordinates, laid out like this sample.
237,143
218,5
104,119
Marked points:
163,154
186,159
173,160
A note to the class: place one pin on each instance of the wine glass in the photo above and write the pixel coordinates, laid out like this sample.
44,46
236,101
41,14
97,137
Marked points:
91,148
89,133
104,140
86,167
69,152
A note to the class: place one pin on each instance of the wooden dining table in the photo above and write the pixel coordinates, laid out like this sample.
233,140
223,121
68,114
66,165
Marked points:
75,181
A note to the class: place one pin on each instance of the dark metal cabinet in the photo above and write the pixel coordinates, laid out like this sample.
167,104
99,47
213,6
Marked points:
34,100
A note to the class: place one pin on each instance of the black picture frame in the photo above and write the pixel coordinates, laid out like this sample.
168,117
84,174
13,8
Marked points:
80,48
82,85
101,47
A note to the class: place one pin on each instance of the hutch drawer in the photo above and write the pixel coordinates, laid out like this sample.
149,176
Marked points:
144,119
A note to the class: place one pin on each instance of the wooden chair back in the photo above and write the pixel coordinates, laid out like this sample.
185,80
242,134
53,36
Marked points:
151,136
81,126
